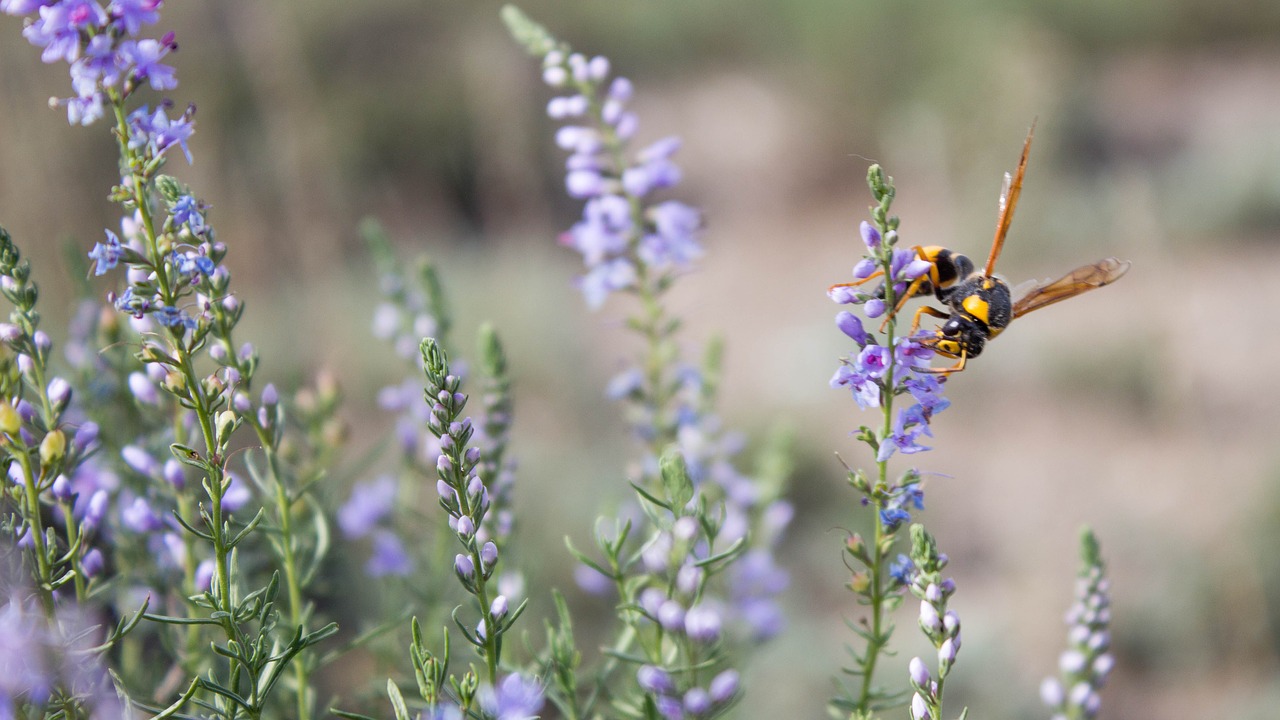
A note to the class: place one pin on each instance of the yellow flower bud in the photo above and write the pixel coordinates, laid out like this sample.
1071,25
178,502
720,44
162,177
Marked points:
174,381
53,447
10,421
860,582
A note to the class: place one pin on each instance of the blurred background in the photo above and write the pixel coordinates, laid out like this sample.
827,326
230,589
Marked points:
1132,409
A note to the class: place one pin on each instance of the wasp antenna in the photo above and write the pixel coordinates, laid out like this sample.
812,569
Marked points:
1008,201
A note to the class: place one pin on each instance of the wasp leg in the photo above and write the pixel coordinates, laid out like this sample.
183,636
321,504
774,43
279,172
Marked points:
856,283
925,310
948,370
907,295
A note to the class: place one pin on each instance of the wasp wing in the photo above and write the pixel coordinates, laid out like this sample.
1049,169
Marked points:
1034,295
1008,201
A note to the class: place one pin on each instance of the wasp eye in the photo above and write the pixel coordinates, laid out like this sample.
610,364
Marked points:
951,328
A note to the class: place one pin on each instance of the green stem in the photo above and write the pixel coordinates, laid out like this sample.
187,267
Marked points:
36,528
883,539
141,199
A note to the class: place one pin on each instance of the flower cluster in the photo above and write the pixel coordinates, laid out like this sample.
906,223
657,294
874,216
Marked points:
695,702
940,625
181,314
101,44
1087,661
884,367
465,499
704,516
623,234
414,307
44,662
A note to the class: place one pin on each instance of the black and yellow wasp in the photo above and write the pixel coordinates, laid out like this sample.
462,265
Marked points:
979,304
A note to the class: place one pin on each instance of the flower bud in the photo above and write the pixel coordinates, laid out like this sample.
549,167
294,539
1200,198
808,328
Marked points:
226,424
688,578
723,686
10,421
697,701
53,447
651,600
933,594
920,708
464,567
1051,692
951,622
920,676
96,509
654,680
204,574
947,652
671,615
1072,661
489,554
85,436
466,527
498,609
142,389
173,473
702,624
929,620
59,391
92,563
61,488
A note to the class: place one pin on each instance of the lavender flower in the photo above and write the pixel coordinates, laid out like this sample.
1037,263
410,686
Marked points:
624,237
633,242
101,47
1087,662
516,697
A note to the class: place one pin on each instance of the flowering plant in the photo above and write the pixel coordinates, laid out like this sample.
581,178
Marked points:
168,525
887,366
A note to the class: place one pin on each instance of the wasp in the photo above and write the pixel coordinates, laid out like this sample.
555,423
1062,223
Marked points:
979,305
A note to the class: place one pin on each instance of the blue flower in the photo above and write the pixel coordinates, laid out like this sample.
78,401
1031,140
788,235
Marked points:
157,132
170,316
902,570
892,517
106,256
186,211
907,429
